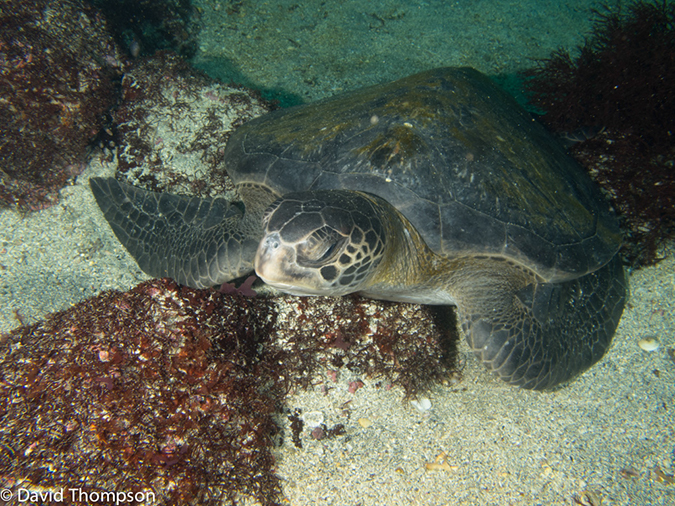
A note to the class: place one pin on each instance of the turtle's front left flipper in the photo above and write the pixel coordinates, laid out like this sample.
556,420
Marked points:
197,242
538,335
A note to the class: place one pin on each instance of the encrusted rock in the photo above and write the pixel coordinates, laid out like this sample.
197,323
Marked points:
59,66
173,123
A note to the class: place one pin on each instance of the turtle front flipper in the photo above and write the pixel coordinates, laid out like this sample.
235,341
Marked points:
197,242
543,334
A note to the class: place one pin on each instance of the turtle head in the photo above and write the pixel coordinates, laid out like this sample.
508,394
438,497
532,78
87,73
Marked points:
326,242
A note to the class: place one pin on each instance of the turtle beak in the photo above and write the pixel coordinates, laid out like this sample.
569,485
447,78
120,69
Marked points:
267,257
272,261
275,263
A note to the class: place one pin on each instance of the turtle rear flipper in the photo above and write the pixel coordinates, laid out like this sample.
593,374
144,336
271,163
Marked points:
546,333
197,242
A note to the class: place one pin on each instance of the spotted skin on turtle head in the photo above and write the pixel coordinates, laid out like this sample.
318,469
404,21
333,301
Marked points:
320,243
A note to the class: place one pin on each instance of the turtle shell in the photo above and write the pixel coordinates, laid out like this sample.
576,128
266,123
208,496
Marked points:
464,163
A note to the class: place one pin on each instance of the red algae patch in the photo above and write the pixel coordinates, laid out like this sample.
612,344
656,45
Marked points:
59,69
126,393
177,394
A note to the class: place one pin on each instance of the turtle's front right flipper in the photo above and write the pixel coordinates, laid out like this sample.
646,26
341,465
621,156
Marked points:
197,242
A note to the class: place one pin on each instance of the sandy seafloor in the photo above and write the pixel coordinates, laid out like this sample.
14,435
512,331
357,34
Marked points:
502,445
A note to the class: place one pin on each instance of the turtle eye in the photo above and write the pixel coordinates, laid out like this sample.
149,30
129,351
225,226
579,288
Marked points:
322,246
328,252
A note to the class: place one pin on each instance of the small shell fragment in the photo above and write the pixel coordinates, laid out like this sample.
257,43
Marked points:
440,463
588,498
629,472
649,343
662,477
313,419
422,404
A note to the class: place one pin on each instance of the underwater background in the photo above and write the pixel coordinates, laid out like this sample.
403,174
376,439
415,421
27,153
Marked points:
606,438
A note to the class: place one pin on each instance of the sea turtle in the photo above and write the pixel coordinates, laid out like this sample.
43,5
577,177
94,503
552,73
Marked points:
435,189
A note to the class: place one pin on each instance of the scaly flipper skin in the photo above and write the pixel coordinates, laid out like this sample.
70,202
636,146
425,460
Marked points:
544,333
197,242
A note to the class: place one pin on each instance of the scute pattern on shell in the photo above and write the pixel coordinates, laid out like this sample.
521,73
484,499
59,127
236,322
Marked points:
470,169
